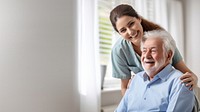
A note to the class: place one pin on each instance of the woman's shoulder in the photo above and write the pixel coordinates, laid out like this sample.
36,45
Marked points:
121,44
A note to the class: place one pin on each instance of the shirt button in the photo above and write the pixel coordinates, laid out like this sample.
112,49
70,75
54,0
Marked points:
144,98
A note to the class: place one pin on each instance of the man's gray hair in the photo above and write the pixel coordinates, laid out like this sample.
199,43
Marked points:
168,41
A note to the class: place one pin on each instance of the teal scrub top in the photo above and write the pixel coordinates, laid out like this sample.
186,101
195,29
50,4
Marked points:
125,59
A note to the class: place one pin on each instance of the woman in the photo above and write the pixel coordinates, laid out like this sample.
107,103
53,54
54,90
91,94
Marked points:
126,51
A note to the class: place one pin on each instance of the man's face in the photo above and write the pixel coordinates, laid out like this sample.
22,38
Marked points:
153,58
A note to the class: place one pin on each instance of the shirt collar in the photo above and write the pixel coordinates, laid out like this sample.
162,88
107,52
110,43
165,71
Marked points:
163,74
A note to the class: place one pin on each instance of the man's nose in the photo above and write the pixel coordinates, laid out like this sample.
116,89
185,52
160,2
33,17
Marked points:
148,54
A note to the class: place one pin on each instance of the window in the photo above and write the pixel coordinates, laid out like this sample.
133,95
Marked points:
153,10
105,31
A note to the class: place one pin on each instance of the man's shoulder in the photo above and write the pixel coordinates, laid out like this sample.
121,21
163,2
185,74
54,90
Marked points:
176,73
174,78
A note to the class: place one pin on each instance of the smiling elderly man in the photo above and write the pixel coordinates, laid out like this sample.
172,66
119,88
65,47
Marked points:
158,87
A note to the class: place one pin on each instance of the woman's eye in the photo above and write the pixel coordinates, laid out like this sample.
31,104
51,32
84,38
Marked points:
122,31
131,24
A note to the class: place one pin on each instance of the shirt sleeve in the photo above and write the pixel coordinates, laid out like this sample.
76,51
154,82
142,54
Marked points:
181,99
177,57
119,64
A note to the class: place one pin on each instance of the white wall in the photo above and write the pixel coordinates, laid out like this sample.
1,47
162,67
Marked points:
38,56
192,35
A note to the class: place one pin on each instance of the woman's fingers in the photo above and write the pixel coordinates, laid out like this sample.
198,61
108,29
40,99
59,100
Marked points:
189,79
186,75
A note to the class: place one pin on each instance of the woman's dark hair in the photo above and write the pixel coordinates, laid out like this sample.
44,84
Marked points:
127,10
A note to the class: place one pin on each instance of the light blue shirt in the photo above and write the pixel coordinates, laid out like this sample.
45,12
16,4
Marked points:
125,59
164,92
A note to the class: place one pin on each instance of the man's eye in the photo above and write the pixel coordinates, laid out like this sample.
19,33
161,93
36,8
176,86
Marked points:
153,51
144,51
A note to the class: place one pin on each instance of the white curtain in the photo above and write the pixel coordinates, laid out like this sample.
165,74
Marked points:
88,46
176,27
153,10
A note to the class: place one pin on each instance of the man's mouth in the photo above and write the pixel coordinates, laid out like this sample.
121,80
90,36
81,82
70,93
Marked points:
149,61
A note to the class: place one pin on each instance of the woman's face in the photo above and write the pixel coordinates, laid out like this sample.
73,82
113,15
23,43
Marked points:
130,29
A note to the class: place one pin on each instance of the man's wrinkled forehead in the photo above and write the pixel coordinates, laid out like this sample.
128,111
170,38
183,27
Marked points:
152,42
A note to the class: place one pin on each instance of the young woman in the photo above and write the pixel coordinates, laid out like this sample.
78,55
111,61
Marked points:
126,51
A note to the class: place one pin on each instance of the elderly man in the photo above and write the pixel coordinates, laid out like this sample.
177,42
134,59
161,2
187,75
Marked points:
158,87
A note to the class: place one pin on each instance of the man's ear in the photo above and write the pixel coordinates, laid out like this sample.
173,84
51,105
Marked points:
169,55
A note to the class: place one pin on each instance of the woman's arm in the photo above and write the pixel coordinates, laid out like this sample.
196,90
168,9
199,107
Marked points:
124,85
188,77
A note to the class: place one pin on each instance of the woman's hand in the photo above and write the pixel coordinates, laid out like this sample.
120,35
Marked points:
190,79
